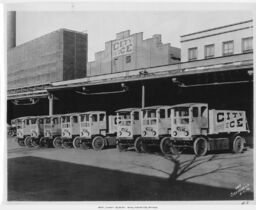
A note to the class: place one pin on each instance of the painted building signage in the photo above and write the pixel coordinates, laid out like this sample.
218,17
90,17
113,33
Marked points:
122,47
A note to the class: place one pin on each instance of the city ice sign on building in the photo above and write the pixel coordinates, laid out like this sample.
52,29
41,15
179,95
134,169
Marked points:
122,47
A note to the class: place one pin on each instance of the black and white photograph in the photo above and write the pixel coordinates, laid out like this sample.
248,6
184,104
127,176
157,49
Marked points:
129,102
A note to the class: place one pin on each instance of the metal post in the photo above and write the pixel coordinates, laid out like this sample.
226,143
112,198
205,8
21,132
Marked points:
50,97
143,96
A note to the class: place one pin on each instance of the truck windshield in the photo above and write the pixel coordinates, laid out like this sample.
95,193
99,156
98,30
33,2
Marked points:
33,121
65,119
181,112
181,115
47,120
84,118
13,122
149,114
149,117
19,124
125,118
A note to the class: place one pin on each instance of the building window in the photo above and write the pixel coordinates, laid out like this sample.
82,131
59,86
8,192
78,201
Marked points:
128,59
247,44
192,53
209,51
228,48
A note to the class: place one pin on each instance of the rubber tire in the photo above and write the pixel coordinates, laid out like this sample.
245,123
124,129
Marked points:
238,144
42,142
77,142
10,133
98,143
195,145
34,143
28,141
57,142
21,142
67,144
138,145
165,145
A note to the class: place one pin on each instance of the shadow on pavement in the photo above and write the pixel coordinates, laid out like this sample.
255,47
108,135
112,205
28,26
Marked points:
38,179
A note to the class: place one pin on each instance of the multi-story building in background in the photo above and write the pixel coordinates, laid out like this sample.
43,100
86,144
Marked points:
129,52
216,42
56,56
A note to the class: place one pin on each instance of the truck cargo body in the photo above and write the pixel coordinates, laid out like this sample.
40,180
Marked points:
227,121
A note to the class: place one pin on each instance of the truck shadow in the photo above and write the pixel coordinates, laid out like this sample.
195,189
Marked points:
39,179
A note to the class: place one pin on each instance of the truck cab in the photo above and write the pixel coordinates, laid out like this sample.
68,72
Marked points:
189,119
93,123
12,130
128,127
23,130
69,129
155,124
93,130
52,129
36,126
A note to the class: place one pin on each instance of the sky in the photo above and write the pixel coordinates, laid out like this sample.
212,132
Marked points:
102,26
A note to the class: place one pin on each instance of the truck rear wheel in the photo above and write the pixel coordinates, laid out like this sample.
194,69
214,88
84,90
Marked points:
28,141
238,144
57,142
200,146
138,144
35,142
42,142
98,143
21,142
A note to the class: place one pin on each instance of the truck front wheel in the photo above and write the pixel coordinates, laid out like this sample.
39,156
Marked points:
138,144
28,141
35,143
238,144
200,146
165,145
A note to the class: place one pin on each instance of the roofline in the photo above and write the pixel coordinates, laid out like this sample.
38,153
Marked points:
157,107
89,112
127,109
189,104
220,27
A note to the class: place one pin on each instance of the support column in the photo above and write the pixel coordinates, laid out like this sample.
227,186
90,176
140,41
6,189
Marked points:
50,98
143,96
